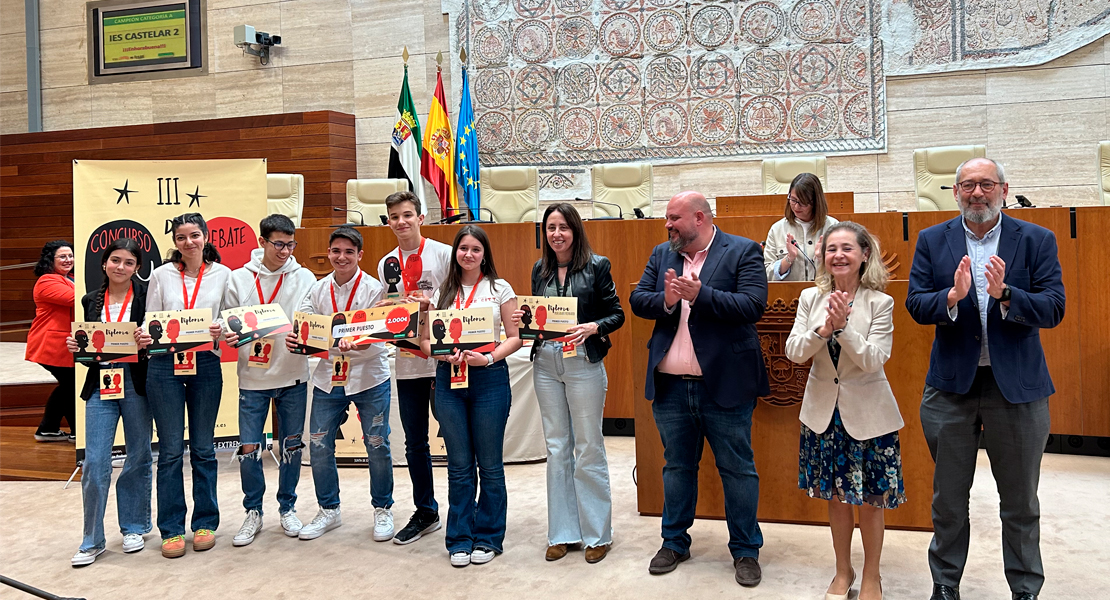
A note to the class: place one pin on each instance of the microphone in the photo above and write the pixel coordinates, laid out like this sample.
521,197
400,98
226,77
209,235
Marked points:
385,219
803,253
452,219
479,219
362,221
620,212
639,213
1023,201
945,187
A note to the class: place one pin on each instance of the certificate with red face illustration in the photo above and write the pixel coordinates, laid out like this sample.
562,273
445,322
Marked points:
252,323
462,329
105,342
313,334
178,330
546,318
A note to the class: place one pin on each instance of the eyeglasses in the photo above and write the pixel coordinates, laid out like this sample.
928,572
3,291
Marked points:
969,186
281,246
796,202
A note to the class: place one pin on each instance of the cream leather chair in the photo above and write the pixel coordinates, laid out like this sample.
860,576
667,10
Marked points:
512,194
627,185
1104,171
367,197
779,172
934,167
285,195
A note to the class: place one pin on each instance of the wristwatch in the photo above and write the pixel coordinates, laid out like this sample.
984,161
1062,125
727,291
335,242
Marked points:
1006,294
836,333
489,359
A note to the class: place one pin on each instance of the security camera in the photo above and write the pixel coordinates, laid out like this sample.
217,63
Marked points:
247,38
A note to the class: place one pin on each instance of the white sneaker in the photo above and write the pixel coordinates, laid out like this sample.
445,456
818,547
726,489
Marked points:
383,524
118,462
481,556
291,524
133,542
85,557
325,520
251,526
460,559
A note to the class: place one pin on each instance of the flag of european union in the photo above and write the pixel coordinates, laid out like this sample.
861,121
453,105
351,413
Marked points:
466,152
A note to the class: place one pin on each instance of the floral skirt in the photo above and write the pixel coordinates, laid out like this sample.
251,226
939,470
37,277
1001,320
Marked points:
833,464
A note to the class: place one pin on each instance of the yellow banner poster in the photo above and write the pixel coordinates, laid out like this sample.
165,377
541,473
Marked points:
462,329
137,199
105,342
546,318
253,323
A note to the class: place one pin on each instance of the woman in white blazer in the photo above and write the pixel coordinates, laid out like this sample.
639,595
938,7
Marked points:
791,250
849,443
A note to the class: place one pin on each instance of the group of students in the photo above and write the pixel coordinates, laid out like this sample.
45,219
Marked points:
570,388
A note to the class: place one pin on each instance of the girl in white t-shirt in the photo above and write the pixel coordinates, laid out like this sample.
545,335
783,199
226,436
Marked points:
472,419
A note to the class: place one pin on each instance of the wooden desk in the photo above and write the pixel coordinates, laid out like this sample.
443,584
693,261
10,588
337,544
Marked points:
775,204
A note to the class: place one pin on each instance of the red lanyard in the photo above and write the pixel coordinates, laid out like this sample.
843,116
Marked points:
258,286
185,292
419,252
123,309
470,298
350,299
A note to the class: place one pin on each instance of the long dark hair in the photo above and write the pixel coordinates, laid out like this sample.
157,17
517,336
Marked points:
580,250
210,253
45,266
127,244
453,283
807,187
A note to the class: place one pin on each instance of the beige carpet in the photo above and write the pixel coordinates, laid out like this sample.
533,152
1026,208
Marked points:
42,528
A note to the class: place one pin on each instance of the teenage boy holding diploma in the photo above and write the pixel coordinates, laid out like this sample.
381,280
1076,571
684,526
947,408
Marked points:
350,374
272,276
422,265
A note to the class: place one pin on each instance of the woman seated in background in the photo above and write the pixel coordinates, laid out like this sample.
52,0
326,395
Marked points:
790,253
118,299
850,420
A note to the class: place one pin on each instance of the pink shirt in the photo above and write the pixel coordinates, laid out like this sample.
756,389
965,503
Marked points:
680,358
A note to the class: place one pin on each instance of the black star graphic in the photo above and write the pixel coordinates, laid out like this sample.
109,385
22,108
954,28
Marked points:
124,194
195,197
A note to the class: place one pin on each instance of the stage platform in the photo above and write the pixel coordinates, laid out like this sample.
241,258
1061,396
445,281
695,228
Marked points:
24,387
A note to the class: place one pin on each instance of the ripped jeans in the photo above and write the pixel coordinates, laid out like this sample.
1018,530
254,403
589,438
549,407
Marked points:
254,410
328,410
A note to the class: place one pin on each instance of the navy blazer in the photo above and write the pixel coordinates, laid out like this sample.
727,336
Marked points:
722,319
1034,276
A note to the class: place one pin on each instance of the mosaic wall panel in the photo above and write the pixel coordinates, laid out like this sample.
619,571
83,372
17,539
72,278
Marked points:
578,82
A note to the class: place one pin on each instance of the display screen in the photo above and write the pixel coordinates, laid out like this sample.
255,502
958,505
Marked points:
148,36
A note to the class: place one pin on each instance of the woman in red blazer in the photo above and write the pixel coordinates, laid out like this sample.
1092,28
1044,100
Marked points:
46,341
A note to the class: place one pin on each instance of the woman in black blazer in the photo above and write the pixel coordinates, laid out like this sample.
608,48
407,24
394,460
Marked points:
571,386
121,298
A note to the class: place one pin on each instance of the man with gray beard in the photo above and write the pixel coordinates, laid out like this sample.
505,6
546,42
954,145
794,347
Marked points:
705,290
989,283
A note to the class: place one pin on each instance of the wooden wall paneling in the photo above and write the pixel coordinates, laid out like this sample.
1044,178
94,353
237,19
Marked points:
37,171
897,252
775,204
1091,303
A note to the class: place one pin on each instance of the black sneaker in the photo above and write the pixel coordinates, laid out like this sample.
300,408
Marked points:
420,524
51,436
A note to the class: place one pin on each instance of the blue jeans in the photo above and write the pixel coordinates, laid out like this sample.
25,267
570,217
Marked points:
134,484
571,394
686,417
170,395
413,401
472,421
327,413
254,409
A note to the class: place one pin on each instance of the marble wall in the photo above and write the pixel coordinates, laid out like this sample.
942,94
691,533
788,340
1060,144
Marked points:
1042,123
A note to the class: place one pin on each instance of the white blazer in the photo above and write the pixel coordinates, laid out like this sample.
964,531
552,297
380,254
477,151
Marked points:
774,249
858,384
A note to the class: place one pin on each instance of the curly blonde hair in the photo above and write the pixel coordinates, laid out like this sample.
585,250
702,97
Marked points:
872,272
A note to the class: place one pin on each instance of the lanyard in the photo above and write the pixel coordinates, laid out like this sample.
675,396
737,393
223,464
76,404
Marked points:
123,309
350,299
185,292
258,286
458,298
419,252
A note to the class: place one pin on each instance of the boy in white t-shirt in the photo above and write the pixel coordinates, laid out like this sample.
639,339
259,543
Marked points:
412,272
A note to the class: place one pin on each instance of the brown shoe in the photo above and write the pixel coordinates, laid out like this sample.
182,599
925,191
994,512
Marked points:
596,553
665,561
556,552
748,573
203,539
173,547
